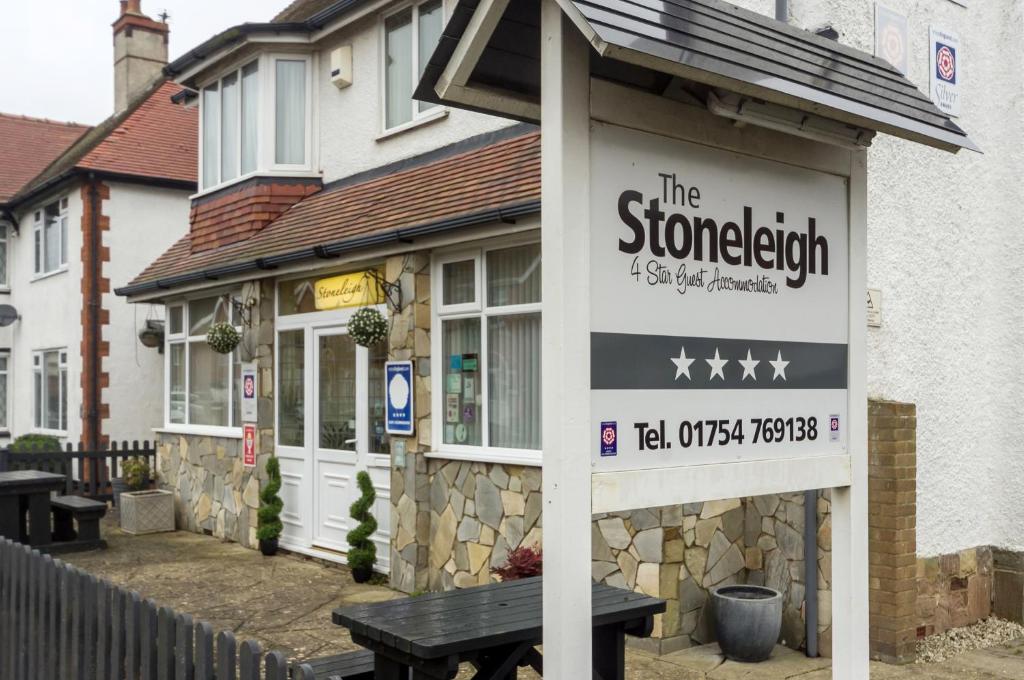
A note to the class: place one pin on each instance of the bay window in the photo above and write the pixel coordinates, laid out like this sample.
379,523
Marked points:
410,37
50,237
202,385
267,99
50,390
487,382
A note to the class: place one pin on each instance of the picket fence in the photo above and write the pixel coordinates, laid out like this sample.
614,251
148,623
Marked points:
58,622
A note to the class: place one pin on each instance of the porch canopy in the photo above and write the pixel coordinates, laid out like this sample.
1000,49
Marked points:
737,63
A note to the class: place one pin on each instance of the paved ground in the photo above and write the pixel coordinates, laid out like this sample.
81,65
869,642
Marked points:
285,603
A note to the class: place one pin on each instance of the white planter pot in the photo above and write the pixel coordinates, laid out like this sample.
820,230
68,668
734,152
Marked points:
147,512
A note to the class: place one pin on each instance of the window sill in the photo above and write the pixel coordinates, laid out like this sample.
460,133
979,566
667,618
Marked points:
201,431
40,277
501,456
435,115
303,173
60,434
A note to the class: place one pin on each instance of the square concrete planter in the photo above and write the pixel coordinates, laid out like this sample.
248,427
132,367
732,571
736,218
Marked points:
147,512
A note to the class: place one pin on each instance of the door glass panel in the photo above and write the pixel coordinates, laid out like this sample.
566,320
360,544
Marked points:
291,403
337,392
379,440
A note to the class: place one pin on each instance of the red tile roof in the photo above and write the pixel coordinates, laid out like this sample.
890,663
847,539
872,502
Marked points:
27,145
300,10
158,139
153,138
501,174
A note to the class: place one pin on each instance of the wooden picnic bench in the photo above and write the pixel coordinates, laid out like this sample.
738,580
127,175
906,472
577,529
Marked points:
496,628
86,513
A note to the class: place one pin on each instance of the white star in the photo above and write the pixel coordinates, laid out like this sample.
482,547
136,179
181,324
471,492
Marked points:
749,364
717,365
682,364
780,367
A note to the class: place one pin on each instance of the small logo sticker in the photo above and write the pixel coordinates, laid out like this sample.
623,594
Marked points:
609,438
945,62
833,428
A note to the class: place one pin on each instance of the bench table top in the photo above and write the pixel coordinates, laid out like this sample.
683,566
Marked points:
30,481
437,625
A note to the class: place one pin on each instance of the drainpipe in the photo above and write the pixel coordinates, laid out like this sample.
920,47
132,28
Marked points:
811,565
93,346
782,10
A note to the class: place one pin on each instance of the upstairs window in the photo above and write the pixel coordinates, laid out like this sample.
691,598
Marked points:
410,37
231,125
50,237
290,112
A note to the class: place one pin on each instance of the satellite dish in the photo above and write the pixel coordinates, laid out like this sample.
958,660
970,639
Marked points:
8,315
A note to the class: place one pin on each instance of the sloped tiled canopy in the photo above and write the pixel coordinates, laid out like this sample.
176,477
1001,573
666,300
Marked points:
705,46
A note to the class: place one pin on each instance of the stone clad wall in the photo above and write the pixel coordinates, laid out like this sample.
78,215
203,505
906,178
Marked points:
214,492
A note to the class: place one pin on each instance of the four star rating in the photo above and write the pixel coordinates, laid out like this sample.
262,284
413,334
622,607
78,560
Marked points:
717,365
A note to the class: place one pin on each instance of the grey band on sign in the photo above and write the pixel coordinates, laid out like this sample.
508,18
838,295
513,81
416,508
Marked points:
622,361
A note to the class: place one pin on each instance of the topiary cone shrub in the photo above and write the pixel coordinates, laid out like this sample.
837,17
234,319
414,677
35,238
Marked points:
362,553
268,526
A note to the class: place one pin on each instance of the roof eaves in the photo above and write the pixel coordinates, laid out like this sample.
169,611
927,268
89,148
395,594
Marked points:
402,235
228,37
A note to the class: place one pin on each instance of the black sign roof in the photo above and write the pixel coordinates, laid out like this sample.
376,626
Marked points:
710,44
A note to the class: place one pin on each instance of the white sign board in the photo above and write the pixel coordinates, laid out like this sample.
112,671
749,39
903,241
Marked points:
719,306
874,308
892,37
946,68
249,393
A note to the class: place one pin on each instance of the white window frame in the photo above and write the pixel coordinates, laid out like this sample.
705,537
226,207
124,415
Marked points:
219,83
418,117
230,431
477,309
39,270
5,239
39,406
266,144
5,377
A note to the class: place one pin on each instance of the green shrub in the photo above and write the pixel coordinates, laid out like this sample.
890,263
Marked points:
30,443
135,471
269,525
362,553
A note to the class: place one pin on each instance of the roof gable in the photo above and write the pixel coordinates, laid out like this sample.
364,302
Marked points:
27,145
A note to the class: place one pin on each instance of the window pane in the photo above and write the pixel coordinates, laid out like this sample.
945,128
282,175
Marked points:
3,395
38,235
431,22
458,282
211,126
52,390
380,440
64,240
51,238
291,398
513,374
208,389
205,312
398,69
176,395
291,112
296,297
250,115
337,392
229,128
460,349
3,256
177,324
513,276
63,398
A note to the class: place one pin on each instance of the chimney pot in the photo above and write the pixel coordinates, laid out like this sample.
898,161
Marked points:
134,6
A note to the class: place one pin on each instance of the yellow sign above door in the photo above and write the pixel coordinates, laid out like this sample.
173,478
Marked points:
348,290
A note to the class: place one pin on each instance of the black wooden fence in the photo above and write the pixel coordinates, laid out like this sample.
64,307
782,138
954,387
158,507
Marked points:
88,473
58,622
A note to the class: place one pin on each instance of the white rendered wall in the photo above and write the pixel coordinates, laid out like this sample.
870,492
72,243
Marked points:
351,120
50,309
944,246
144,222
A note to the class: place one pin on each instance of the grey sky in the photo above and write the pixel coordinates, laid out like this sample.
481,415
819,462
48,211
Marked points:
56,56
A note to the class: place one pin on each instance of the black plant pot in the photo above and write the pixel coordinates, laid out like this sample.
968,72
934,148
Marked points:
361,574
117,487
268,546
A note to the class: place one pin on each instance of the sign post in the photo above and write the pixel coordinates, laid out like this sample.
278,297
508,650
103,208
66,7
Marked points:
703,332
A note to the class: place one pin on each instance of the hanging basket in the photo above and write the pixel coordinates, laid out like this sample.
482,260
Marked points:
223,338
368,327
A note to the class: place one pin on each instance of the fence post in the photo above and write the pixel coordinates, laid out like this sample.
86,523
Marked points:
148,641
204,652
103,629
226,656
183,647
249,661
277,666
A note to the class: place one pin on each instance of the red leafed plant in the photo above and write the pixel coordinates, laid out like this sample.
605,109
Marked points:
523,562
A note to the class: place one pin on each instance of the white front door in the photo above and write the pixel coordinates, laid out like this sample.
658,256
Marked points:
329,434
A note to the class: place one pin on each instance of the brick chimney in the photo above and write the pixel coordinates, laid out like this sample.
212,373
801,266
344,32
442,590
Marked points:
140,52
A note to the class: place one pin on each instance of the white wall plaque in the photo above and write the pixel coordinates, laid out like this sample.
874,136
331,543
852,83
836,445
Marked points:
874,307
719,306
892,37
249,395
946,70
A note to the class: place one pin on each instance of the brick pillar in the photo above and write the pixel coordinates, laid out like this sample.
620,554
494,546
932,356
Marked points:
892,525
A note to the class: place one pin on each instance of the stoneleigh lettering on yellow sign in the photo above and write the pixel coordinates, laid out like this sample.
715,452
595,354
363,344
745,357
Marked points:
348,290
